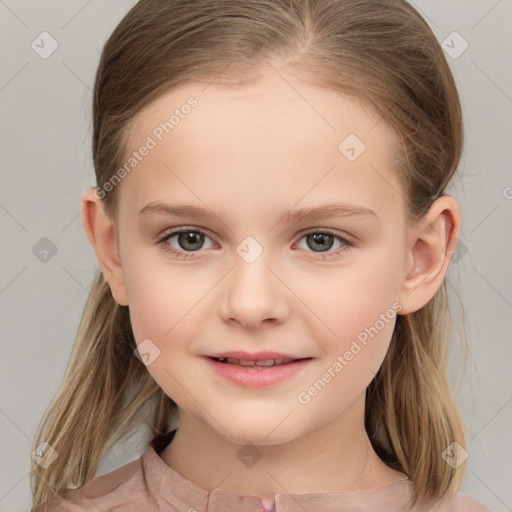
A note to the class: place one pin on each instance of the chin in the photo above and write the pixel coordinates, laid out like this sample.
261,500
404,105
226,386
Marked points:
258,434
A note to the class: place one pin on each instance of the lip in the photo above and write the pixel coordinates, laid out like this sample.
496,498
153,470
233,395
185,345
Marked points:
251,376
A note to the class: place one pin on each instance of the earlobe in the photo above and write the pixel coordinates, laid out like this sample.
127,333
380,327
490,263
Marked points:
431,243
102,235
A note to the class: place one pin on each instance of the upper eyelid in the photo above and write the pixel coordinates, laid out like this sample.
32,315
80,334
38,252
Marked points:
183,229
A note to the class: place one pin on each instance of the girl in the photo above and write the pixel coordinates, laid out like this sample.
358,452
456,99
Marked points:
273,231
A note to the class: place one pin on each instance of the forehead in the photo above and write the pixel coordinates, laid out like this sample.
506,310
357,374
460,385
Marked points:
278,137
276,100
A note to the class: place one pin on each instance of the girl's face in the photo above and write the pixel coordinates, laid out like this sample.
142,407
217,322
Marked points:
257,279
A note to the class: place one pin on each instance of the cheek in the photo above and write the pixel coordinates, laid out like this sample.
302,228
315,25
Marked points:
358,311
162,309
161,298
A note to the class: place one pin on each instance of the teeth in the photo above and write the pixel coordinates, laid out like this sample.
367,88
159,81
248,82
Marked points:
269,362
264,364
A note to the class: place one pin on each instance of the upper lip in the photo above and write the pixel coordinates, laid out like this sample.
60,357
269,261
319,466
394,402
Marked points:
255,356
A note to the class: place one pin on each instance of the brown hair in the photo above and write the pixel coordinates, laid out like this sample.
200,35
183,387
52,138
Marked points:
381,52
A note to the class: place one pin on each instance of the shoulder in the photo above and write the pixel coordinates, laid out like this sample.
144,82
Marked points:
122,489
458,503
465,503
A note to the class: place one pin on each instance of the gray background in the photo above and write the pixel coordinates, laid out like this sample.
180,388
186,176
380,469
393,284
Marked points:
46,163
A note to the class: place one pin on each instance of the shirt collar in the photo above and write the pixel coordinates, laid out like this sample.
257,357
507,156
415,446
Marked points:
170,488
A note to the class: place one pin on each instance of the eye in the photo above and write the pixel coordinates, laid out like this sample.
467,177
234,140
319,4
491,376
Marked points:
323,240
190,241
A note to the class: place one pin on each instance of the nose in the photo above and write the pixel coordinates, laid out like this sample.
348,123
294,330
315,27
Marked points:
253,293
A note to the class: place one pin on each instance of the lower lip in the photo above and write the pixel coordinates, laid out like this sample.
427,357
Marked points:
252,377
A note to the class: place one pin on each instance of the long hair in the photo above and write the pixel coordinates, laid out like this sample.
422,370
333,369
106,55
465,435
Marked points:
380,52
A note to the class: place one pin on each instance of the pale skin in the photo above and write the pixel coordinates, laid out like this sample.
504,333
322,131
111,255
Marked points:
251,152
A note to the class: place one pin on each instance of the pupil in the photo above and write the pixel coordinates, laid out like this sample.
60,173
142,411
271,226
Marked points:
190,237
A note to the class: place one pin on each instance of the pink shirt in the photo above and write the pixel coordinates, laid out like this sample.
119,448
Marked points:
147,484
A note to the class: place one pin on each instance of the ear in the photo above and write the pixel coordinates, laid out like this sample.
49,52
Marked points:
430,244
102,234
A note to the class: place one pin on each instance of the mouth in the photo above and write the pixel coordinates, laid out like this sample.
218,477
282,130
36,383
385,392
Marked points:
267,363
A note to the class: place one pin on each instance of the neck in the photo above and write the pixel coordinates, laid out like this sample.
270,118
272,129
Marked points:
336,457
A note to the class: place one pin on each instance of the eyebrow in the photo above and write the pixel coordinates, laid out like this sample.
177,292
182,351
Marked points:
290,216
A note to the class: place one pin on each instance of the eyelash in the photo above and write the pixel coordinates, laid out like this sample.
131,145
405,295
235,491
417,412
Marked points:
347,244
